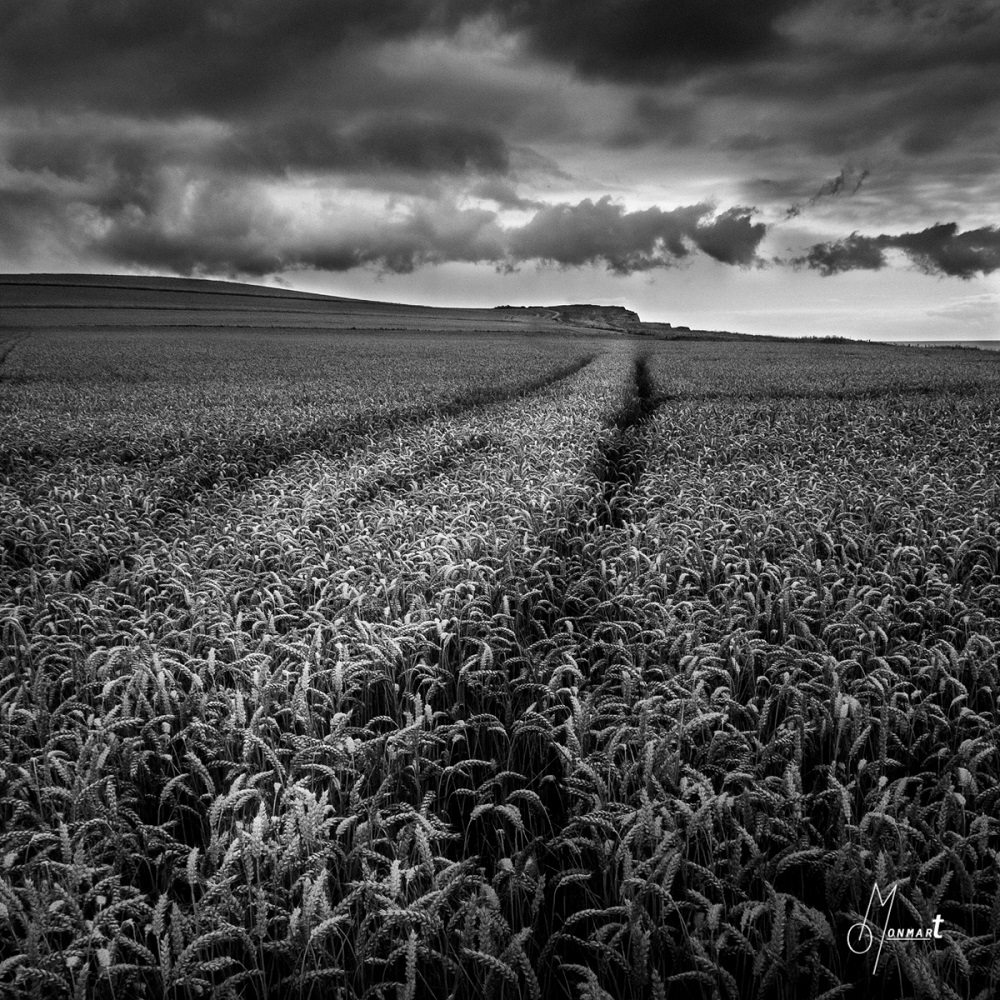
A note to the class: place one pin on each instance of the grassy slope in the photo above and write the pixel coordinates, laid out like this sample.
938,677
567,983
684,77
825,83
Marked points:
40,301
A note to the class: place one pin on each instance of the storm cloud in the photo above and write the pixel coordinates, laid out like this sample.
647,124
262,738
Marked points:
940,250
604,232
235,237
225,55
243,137
208,56
639,40
190,224
404,142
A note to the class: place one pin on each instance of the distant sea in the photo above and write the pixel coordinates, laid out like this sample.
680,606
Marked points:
986,345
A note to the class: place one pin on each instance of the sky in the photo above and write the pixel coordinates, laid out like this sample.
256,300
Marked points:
798,167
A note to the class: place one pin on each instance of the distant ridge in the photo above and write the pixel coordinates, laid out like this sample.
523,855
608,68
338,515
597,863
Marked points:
87,300
64,300
156,283
141,302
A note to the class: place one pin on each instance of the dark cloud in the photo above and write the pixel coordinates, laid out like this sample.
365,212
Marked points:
838,48
401,247
856,253
218,56
212,56
404,142
123,162
192,224
940,250
421,145
920,115
644,40
194,199
921,78
604,232
112,168
233,231
302,84
731,237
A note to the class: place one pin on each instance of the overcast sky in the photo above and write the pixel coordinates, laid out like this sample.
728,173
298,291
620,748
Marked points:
759,165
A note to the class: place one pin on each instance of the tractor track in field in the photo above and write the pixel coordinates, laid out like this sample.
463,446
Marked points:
616,467
620,463
236,468
575,592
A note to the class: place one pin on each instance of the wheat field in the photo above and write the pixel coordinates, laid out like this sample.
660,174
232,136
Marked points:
365,665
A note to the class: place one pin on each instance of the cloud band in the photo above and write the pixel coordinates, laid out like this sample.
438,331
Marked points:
939,249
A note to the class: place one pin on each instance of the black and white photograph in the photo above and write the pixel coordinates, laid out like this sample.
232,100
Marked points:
499,499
